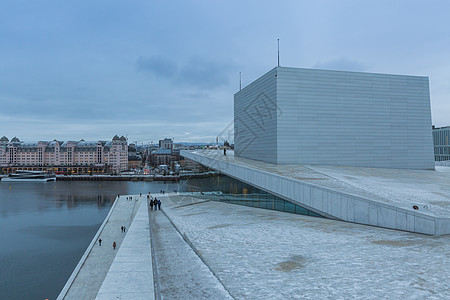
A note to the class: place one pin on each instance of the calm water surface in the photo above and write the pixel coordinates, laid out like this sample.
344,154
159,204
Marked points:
46,227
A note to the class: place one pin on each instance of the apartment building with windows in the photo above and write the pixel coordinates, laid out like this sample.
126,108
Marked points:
166,144
64,156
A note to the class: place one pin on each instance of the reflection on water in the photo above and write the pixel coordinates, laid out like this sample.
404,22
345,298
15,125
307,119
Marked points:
46,227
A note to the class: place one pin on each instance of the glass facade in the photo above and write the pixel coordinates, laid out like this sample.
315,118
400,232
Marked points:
441,143
226,189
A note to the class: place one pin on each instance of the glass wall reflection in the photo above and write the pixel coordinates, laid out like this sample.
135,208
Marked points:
226,189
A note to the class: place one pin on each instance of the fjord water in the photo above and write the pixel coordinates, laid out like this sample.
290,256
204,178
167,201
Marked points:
46,227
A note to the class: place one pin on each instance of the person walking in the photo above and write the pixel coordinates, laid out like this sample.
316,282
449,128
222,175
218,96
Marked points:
124,229
121,228
159,204
99,242
114,245
155,203
151,204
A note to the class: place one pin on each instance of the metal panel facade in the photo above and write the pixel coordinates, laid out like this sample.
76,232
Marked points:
255,116
340,118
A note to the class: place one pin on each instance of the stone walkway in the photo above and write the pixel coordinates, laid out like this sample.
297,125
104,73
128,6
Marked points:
131,274
182,274
127,272
94,269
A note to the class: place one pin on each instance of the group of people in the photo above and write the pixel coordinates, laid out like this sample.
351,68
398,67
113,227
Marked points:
155,203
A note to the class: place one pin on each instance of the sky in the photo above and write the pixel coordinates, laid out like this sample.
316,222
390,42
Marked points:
149,70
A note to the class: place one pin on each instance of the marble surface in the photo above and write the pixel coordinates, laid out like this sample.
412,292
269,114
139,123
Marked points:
265,254
372,196
131,273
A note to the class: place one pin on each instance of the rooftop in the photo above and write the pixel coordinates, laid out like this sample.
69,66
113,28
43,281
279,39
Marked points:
265,254
428,189
162,151
403,189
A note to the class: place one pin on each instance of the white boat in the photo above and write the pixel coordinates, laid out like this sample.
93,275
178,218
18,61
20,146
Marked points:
33,176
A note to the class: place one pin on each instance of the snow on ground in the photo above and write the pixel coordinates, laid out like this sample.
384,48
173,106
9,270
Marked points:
182,275
264,254
429,190
442,168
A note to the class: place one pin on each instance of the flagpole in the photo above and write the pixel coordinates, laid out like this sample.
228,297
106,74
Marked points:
278,52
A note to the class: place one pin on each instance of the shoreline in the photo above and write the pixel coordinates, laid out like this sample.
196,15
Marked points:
128,177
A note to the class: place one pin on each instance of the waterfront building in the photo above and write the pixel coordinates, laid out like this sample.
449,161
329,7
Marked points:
166,144
441,143
349,146
165,154
64,156
306,116
162,156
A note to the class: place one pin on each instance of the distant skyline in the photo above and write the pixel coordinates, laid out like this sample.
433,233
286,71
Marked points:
150,70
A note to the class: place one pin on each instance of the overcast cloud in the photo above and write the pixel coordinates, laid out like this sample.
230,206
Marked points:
341,64
195,73
155,69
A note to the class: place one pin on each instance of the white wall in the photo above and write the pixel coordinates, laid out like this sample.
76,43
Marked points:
354,119
255,127
292,115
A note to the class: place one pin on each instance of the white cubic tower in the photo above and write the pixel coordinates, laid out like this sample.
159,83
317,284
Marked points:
306,116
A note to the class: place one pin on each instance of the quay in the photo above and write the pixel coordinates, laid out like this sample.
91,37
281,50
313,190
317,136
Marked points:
201,249
133,177
113,178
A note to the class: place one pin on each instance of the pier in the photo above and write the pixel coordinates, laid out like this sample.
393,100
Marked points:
106,178
133,177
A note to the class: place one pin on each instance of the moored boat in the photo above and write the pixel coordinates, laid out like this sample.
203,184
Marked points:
33,176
